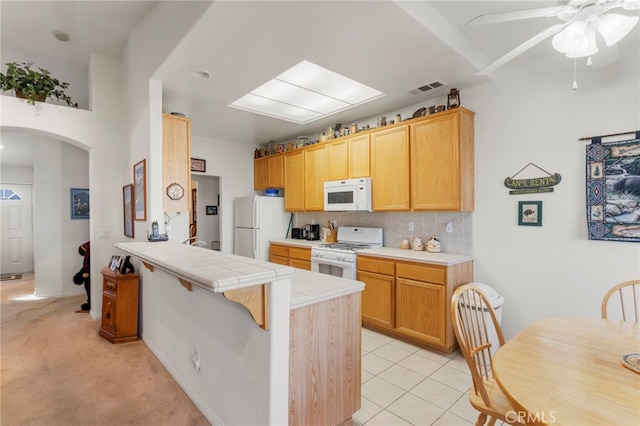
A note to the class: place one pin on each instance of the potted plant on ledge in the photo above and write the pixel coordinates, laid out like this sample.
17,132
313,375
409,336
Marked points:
33,85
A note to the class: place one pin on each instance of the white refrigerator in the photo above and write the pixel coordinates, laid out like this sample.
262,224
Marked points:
257,220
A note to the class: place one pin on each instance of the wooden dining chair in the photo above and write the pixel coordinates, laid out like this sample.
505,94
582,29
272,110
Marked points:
628,293
472,326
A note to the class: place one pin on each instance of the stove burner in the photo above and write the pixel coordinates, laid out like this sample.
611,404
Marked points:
345,246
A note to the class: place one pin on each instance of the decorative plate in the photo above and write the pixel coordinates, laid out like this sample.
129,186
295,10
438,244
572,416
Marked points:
631,361
419,113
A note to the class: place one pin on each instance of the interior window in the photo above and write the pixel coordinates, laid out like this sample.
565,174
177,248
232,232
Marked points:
8,194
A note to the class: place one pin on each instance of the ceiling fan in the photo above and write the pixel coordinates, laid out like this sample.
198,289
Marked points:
575,35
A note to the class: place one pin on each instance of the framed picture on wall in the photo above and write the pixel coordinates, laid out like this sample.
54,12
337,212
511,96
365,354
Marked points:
140,190
127,208
198,165
530,213
212,210
79,203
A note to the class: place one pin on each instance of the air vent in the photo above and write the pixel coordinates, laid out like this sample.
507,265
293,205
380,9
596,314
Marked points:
434,85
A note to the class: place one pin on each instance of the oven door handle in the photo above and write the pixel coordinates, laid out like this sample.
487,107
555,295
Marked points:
323,261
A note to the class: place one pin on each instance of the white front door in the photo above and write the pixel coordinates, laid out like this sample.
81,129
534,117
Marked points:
16,229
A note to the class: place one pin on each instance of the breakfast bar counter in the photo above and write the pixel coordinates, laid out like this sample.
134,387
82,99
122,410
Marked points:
199,315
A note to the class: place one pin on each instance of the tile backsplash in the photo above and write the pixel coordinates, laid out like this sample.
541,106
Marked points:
396,226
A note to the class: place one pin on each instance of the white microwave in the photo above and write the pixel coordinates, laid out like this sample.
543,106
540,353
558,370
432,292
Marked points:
347,195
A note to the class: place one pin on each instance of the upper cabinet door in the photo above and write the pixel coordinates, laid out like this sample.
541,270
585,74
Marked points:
176,160
338,160
261,173
276,171
359,158
315,166
294,178
442,162
390,169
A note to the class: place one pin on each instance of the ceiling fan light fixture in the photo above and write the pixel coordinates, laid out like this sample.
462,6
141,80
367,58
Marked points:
614,27
571,38
588,48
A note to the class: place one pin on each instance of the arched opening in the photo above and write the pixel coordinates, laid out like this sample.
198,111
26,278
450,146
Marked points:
44,169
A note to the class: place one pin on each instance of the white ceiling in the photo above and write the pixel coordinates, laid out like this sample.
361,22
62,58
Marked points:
391,46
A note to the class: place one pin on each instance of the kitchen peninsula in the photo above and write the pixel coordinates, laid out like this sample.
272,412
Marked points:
229,356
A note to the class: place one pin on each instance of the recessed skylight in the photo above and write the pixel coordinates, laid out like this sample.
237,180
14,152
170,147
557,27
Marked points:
304,93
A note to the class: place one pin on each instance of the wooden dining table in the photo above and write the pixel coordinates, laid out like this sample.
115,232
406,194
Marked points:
568,371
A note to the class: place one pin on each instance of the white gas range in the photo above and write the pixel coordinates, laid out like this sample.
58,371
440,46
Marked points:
339,259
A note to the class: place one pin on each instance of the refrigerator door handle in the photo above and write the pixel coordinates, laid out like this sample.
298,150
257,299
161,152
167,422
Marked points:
256,219
255,245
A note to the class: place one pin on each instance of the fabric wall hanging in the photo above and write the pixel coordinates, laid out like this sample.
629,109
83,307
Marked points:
613,189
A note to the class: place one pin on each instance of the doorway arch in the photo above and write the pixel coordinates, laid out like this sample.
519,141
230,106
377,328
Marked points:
56,165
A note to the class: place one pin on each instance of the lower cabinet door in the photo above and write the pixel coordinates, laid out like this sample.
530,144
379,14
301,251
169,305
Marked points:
378,299
301,264
279,260
108,313
421,310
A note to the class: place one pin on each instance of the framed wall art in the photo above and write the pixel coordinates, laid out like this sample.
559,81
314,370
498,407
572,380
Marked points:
613,188
211,210
79,203
140,190
530,213
198,165
128,210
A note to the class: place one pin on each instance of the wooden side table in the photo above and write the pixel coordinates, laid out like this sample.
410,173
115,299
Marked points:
119,306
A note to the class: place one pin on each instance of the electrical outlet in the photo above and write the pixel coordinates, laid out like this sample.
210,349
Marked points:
449,227
196,360
411,226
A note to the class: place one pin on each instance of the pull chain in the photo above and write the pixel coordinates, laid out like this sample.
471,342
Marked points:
575,81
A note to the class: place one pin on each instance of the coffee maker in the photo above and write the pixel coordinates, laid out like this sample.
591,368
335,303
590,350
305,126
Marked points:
312,231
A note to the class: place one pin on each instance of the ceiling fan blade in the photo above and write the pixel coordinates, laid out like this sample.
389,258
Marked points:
541,36
515,16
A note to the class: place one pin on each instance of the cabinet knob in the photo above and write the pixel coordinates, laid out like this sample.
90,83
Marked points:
107,315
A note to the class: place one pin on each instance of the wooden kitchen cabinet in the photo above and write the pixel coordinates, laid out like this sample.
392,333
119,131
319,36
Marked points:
442,162
294,178
279,254
268,172
390,169
338,160
411,300
119,306
315,167
378,296
359,161
349,158
176,160
421,302
298,257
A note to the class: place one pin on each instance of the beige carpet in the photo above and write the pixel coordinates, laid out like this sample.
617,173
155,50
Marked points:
57,370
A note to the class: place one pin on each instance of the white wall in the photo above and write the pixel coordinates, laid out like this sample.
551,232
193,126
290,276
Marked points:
59,68
233,163
100,133
530,114
149,44
58,167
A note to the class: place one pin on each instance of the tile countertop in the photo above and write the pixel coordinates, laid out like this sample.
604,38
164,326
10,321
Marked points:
446,259
218,272
298,243
209,269
308,288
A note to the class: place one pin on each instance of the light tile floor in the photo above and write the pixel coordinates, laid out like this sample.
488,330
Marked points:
403,384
